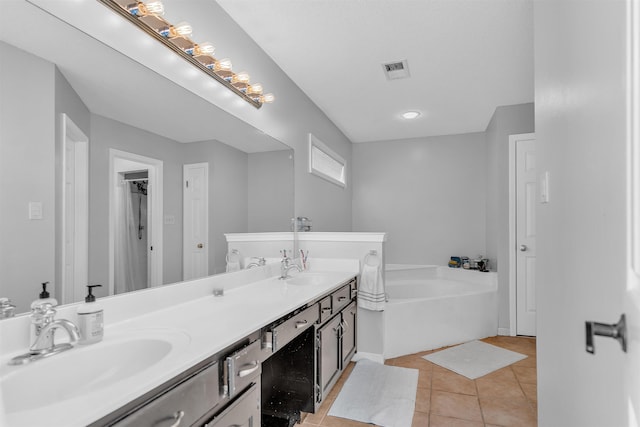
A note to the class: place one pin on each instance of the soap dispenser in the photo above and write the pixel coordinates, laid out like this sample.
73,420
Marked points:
44,298
90,319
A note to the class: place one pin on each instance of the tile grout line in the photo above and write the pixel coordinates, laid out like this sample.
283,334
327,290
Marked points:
475,383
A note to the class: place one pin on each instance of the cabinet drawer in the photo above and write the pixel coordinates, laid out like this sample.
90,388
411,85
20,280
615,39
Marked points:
187,402
242,367
291,328
325,309
244,412
341,298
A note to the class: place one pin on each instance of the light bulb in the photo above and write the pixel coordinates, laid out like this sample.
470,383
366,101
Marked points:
154,7
411,115
267,98
255,89
182,29
146,8
223,65
241,77
205,48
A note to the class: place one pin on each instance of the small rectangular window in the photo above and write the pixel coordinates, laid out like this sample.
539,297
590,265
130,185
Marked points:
326,163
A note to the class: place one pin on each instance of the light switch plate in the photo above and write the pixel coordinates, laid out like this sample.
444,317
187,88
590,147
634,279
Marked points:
35,210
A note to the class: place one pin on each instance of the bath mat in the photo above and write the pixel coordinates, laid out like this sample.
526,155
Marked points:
474,359
378,394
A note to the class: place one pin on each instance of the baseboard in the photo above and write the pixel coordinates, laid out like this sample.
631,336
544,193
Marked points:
504,331
370,356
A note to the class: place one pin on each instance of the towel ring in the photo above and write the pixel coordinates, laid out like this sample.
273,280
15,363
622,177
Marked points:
372,259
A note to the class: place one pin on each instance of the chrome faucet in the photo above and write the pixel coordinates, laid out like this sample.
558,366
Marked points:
261,261
44,327
286,266
45,343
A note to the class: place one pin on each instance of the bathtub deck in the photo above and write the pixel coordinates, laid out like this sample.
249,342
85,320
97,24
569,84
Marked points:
507,397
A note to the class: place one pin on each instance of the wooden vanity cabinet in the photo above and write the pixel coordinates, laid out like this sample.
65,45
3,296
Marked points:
336,340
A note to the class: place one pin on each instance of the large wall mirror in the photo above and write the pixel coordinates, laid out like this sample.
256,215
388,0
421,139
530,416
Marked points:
110,174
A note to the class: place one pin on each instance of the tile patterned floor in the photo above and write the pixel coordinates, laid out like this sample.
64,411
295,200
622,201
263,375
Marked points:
507,397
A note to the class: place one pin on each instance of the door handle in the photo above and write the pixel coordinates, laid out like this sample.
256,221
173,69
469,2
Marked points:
253,366
523,248
616,330
200,245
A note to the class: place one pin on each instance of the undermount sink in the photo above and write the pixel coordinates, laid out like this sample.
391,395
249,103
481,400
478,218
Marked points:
310,279
85,369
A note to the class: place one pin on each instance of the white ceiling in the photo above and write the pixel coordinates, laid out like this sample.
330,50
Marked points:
466,57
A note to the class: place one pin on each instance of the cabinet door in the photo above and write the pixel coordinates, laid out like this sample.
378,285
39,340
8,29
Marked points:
329,354
244,412
349,317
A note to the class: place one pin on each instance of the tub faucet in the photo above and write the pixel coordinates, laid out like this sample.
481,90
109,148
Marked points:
286,266
259,263
43,327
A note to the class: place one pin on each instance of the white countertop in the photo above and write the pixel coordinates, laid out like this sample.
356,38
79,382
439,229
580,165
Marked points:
210,323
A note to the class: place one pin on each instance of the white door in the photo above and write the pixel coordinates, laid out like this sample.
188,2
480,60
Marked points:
75,213
587,133
526,198
196,221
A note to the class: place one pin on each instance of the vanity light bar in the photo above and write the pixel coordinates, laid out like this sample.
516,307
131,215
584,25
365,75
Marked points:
146,16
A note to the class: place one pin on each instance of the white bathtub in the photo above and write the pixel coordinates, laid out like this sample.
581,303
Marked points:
432,306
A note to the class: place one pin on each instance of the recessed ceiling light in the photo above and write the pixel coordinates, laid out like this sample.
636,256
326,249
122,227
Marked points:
410,115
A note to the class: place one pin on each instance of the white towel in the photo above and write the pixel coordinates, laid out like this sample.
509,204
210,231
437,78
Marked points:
371,293
233,261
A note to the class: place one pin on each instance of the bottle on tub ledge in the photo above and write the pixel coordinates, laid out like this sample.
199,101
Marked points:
90,319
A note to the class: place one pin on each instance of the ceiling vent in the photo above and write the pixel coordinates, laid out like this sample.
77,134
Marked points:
396,70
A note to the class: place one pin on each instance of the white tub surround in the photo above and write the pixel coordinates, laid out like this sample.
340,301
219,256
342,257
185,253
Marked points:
436,306
252,299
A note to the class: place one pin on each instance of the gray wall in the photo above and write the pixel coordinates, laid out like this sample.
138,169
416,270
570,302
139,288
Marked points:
507,120
289,119
271,191
428,194
27,132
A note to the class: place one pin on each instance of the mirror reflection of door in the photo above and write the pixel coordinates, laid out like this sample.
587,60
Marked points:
75,212
134,237
196,214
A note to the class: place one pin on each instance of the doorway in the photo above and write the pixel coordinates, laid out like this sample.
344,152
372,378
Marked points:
523,195
135,231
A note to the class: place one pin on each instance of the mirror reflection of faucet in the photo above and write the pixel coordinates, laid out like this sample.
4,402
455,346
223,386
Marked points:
286,265
260,261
